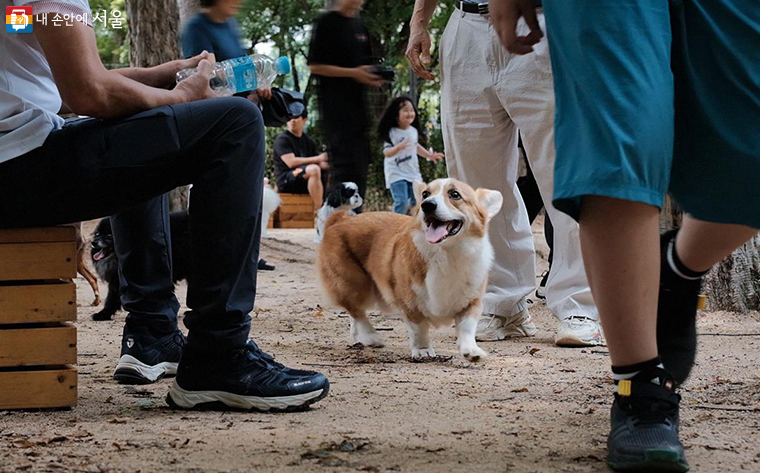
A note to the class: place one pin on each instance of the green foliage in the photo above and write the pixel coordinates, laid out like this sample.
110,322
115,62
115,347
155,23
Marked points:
285,28
113,43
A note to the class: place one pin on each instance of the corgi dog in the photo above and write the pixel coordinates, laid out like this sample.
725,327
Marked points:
432,266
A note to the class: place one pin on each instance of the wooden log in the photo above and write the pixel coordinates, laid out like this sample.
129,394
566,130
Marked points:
38,346
38,388
38,303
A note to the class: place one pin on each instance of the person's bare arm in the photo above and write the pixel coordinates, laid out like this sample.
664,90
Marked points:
88,88
504,17
429,155
418,51
361,74
396,149
164,75
292,161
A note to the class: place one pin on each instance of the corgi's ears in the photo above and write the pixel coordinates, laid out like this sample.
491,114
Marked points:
490,200
419,186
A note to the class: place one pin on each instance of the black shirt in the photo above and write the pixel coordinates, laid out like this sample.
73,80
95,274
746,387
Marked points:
339,41
285,143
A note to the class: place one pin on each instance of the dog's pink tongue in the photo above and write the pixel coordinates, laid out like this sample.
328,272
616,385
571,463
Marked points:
99,255
437,234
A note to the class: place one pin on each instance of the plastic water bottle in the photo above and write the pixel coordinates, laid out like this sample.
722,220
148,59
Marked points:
242,73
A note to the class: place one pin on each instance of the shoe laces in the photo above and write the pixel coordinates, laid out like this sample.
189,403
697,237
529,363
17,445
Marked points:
579,320
645,410
253,353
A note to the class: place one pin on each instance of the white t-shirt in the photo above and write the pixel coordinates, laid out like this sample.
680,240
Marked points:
29,99
404,165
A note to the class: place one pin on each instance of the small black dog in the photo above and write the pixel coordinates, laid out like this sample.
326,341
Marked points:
107,265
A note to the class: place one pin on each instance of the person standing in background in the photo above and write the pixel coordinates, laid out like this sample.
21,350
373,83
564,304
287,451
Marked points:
339,55
215,29
487,94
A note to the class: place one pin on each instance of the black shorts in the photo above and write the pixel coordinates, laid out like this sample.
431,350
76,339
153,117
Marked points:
291,184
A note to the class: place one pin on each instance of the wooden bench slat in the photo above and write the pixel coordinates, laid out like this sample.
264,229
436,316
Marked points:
36,261
38,235
38,346
38,388
38,303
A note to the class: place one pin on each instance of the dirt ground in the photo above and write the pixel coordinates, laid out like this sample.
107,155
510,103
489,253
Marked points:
530,407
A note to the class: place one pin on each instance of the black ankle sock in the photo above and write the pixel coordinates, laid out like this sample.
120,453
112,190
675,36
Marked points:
629,371
676,265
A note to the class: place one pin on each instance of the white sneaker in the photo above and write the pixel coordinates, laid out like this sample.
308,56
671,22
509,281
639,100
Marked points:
492,327
578,331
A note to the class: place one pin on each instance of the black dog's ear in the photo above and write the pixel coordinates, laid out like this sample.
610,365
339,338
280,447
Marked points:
104,227
334,198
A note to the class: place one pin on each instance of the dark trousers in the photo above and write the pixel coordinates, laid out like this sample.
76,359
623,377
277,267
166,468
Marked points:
92,168
348,145
534,203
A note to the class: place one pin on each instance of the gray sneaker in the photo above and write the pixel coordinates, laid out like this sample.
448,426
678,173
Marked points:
492,327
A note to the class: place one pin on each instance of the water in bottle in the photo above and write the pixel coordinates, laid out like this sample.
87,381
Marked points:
243,73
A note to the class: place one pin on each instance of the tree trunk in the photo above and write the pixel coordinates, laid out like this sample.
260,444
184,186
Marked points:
734,284
153,32
187,9
153,40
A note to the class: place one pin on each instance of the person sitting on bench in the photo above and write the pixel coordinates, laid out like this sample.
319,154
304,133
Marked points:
298,165
143,139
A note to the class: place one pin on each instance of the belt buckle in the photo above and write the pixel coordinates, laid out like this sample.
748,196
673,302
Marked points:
483,8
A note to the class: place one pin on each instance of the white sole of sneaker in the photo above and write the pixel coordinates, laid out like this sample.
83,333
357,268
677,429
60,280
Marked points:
131,370
576,342
190,399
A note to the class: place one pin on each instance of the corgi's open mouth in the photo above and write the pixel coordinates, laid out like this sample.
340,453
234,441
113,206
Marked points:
438,230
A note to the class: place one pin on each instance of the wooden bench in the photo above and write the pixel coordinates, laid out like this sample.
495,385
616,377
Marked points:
38,345
296,211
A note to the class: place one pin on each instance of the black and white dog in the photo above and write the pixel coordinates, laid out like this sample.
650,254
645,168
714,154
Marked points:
344,196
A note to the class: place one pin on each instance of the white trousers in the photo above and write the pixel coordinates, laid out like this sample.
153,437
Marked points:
487,95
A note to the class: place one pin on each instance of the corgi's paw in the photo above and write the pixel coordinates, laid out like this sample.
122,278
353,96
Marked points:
423,352
366,335
473,354
370,340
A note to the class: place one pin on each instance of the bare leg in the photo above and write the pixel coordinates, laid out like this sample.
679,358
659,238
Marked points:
316,189
620,244
700,245
419,339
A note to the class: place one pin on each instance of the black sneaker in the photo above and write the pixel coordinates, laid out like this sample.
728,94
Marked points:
264,266
676,316
246,379
145,358
644,431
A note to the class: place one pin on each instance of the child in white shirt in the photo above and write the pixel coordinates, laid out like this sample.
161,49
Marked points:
399,129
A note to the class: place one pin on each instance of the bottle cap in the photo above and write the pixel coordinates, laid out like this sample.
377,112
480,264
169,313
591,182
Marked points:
282,64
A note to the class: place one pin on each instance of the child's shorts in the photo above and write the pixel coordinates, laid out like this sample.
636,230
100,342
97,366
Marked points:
624,117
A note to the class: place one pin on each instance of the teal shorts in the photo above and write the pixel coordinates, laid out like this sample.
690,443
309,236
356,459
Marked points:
655,96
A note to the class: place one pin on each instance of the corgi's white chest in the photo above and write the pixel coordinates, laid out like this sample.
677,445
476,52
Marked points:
454,278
